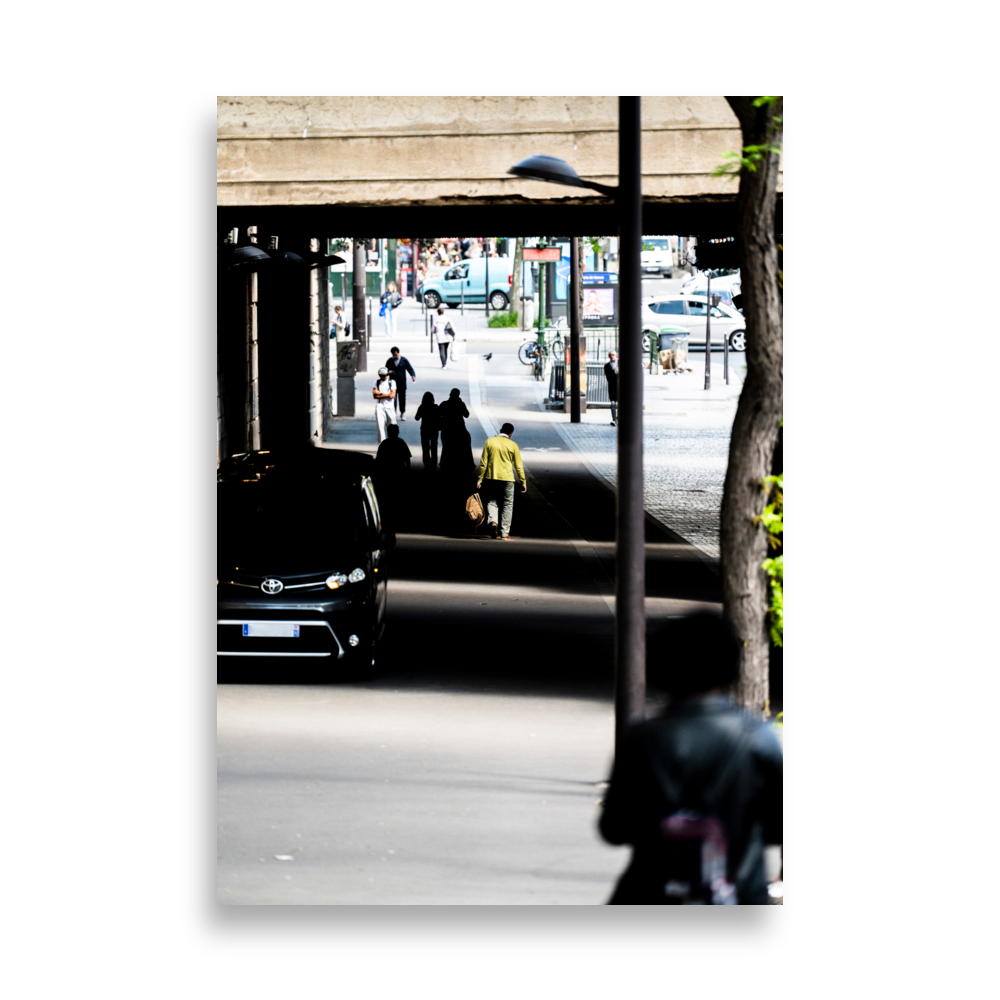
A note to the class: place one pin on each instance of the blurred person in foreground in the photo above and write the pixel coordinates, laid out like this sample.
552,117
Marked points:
696,791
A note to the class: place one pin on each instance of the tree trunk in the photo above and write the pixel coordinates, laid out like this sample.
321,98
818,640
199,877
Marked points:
515,285
743,542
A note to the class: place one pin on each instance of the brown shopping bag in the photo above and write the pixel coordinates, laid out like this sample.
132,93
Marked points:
474,508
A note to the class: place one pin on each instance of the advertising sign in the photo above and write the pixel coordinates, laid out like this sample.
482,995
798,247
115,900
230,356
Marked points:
600,305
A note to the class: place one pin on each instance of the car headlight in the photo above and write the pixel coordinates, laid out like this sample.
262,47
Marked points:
335,580
357,575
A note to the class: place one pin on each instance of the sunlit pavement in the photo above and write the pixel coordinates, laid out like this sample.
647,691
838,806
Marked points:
470,771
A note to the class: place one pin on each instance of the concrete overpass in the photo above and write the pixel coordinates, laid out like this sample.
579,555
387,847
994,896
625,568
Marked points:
306,168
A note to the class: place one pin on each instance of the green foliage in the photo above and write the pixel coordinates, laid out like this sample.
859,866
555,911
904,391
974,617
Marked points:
647,246
502,319
775,570
548,322
751,157
773,520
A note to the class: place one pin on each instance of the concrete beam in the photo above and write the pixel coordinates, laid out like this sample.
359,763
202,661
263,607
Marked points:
434,151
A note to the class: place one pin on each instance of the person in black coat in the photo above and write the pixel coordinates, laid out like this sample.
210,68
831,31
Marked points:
611,373
429,416
398,367
698,787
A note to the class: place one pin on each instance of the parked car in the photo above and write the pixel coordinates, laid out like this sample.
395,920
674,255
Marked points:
286,588
688,312
725,283
659,260
468,278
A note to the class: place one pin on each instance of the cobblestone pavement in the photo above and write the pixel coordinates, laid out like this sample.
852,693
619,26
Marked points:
685,447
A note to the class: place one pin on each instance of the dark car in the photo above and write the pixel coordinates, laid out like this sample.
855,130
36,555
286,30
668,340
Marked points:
301,550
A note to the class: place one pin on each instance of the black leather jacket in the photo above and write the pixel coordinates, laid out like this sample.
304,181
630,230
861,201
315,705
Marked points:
686,749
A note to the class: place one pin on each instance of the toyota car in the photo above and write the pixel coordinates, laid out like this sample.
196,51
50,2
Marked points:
301,549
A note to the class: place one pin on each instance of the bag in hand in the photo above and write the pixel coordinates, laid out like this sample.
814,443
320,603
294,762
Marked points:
474,508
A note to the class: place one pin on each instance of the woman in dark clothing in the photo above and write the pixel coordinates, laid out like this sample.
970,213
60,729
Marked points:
458,464
429,415
453,412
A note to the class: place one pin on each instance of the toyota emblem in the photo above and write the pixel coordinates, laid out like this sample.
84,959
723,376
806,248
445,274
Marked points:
272,586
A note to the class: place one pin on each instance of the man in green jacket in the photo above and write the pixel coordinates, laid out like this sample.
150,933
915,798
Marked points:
501,457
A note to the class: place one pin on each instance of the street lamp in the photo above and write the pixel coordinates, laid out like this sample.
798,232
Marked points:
630,553
556,171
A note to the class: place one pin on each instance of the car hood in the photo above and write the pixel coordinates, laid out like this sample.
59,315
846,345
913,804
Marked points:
285,552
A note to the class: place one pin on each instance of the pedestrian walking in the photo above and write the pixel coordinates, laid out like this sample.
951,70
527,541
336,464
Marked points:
458,465
611,374
392,463
443,335
696,791
428,415
501,458
453,414
398,367
391,301
338,325
384,394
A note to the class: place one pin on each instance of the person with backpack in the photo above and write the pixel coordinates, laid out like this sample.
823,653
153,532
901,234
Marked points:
398,367
696,791
391,301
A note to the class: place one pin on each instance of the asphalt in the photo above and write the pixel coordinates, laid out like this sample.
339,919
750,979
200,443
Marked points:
471,769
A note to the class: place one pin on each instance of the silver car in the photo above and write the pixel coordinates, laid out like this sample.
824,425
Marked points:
688,312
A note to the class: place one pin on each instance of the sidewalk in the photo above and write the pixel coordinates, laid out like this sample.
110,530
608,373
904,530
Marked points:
412,325
686,432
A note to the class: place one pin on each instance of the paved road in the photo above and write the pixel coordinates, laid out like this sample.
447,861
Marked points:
471,770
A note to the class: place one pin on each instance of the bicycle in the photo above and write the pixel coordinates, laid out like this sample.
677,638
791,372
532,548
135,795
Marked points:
530,352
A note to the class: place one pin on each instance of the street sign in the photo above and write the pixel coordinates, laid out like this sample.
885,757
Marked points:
543,253
599,277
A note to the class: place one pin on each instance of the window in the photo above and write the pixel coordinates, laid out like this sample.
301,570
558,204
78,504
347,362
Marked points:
457,273
698,309
674,308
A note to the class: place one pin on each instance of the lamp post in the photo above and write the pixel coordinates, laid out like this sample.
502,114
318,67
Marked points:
630,567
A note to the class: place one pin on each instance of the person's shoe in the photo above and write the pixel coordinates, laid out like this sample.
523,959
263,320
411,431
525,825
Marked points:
494,529
614,423
401,417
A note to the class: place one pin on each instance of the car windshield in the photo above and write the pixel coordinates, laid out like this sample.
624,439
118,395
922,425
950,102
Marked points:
657,244
267,521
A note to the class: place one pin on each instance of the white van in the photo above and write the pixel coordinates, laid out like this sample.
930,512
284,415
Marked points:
659,260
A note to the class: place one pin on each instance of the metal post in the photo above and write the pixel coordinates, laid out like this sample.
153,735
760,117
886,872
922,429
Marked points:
486,252
725,346
541,295
630,554
574,329
358,305
708,333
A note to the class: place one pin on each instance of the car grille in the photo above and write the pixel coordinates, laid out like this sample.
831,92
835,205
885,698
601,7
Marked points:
252,581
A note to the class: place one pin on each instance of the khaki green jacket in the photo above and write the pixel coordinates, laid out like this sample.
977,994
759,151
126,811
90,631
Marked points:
500,458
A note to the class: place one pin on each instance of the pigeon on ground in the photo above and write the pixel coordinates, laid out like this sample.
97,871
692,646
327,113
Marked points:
488,356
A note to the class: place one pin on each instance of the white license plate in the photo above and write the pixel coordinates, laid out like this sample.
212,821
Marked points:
274,630
652,269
